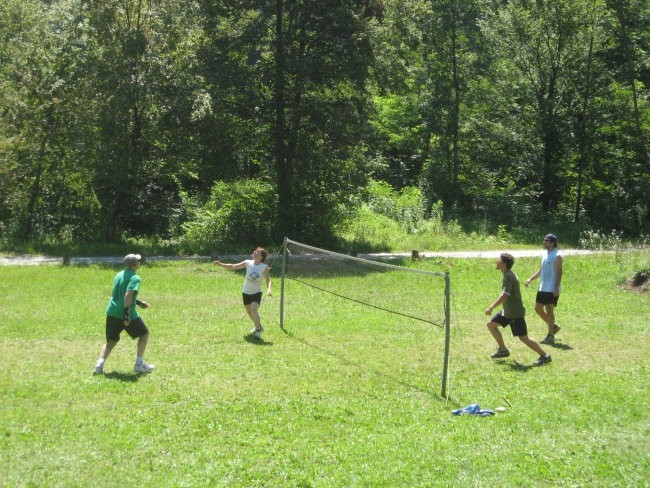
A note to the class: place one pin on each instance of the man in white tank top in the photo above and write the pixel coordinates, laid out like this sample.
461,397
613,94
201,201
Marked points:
550,286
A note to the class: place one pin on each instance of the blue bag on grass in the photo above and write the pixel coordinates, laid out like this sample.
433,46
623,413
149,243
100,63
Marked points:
473,409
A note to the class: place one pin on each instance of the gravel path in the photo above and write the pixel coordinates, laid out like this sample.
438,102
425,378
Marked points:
32,260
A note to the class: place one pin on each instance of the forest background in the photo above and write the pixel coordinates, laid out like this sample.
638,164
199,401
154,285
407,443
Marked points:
200,125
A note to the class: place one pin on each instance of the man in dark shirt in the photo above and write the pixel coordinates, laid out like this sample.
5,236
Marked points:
513,313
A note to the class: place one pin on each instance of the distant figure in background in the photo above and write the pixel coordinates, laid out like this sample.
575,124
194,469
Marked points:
513,313
122,315
549,287
256,270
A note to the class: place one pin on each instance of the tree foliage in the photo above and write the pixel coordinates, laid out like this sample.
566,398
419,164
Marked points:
137,118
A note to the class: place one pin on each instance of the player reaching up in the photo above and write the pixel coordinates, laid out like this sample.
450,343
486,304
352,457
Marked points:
256,271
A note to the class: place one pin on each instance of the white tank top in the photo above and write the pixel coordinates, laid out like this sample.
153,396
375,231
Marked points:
548,275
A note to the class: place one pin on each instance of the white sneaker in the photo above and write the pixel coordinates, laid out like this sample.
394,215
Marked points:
256,333
99,369
143,367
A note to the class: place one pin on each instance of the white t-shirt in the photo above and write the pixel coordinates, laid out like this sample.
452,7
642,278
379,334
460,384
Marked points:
254,277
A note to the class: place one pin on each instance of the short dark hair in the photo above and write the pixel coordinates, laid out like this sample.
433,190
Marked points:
507,259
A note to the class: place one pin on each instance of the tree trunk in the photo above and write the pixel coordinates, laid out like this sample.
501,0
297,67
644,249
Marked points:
582,132
549,126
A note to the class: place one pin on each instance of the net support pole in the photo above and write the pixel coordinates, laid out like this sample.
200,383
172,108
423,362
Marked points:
445,366
284,264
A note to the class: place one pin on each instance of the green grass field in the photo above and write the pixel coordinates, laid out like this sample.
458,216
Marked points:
347,396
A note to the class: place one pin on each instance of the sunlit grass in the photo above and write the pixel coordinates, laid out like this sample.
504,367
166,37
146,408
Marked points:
346,396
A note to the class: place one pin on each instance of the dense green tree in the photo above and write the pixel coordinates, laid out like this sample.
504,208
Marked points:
453,47
632,32
544,43
43,119
398,143
122,117
123,54
292,75
321,60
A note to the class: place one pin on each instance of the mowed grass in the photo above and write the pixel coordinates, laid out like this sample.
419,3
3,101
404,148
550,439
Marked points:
346,396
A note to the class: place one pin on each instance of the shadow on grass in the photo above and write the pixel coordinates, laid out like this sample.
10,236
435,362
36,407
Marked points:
521,367
563,347
517,366
124,377
251,339
348,362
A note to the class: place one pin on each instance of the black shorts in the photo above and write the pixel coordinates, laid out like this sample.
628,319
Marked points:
546,298
255,297
517,326
115,326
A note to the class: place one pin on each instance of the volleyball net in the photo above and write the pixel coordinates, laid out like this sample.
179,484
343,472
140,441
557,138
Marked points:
410,294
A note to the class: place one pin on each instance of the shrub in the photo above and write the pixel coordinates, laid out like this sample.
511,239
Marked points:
234,218
405,207
591,239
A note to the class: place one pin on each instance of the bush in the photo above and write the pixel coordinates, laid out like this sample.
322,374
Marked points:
405,207
371,232
591,239
234,218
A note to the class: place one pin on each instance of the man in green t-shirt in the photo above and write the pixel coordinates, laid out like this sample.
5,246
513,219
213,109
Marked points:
512,314
122,315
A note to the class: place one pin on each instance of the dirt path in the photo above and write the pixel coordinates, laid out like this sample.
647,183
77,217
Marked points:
33,260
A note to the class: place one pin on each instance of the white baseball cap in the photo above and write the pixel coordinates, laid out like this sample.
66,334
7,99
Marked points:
131,259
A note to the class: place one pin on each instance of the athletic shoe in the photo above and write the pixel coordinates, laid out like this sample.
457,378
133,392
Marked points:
257,334
501,353
143,367
542,360
549,339
98,369
556,329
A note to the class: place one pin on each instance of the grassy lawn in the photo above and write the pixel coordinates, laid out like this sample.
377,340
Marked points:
346,396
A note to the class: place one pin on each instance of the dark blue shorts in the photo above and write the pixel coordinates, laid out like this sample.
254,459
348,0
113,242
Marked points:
115,326
255,297
517,326
546,298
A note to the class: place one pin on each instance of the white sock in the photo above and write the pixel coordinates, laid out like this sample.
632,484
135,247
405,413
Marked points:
139,360
100,362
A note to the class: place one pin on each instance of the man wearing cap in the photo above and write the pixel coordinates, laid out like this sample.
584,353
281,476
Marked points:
549,287
122,315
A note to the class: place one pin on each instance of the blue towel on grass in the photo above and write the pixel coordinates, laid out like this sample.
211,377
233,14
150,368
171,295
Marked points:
473,409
